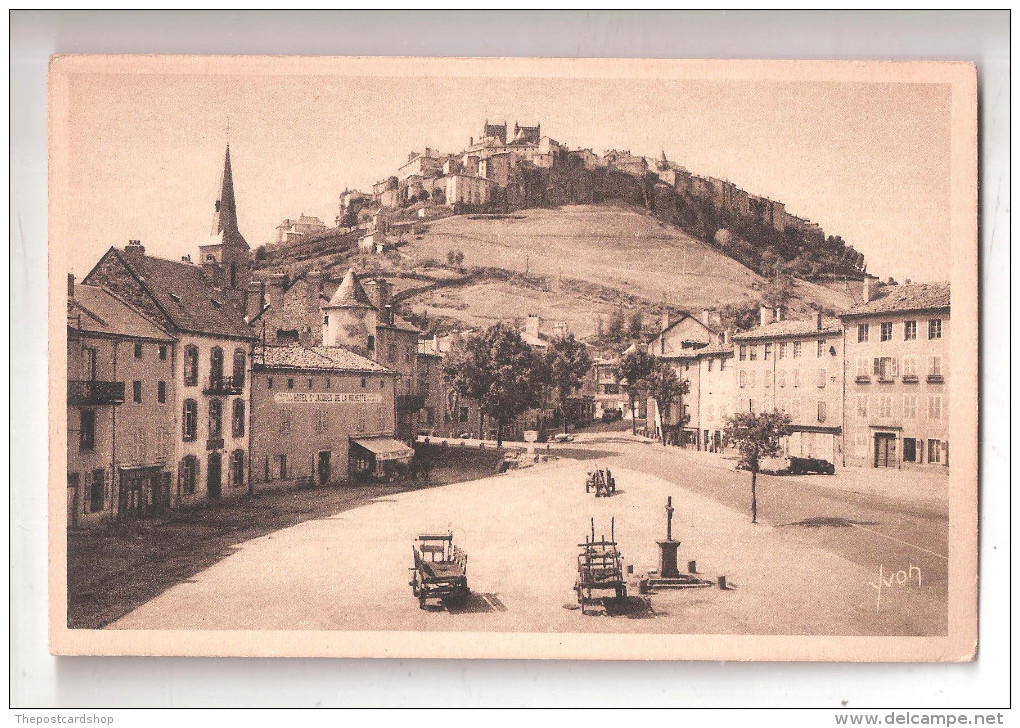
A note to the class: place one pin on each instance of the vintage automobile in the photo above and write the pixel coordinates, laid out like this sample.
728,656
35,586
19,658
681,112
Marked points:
800,466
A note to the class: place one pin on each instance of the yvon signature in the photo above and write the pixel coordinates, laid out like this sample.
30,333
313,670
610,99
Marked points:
895,579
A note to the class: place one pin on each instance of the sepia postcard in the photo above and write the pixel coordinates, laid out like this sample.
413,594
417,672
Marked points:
513,358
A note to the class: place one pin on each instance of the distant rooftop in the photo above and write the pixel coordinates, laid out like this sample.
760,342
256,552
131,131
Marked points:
908,297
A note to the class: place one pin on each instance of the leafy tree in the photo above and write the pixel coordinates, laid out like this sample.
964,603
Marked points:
636,324
635,366
458,258
497,369
614,331
568,363
667,387
451,256
756,436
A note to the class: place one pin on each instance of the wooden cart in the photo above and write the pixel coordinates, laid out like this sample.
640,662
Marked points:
440,569
602,482
599,569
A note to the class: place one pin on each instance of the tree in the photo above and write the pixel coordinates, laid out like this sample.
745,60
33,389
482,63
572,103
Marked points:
451,256
497,369
569,361
458,258
614,331
636,324
635,366
666,386
756,436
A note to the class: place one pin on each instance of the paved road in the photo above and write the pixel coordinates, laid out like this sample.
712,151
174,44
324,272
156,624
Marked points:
893,530
520,529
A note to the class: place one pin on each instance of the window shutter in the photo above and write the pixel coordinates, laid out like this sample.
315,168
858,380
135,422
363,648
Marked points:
895,367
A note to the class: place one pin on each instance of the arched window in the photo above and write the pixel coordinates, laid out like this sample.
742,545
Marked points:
215,418
237,468
216,365
189,420
190,365
240,364
188,477
237,418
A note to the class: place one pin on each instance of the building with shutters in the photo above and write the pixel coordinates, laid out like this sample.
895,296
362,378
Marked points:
320,416
202,308
120,395
897,376
795,366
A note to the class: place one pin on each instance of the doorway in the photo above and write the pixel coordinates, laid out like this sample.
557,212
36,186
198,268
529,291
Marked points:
325,468
213,484
885,450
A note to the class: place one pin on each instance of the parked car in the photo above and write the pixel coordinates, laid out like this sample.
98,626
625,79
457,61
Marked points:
613,415
800,466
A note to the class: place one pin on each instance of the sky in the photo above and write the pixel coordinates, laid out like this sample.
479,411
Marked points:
867,161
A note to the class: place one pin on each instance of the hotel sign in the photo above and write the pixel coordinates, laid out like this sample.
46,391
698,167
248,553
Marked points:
327,398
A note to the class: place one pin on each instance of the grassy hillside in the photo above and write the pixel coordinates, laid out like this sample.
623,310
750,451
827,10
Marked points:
576,263
583,251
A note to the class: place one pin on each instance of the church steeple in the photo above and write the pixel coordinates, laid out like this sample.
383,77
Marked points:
225,257
225,215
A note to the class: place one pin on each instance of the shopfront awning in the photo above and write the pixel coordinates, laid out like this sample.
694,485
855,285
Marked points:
385,448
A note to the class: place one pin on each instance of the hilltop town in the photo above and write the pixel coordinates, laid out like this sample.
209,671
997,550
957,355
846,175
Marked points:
309,366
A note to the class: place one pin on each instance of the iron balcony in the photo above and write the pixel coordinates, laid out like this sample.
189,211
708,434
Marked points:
224,385
92,392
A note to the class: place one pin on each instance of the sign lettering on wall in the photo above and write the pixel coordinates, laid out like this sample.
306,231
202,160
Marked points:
327,398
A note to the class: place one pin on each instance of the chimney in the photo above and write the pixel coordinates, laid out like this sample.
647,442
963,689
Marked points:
665,321
818,321
379,290
778,311
134,247
314,280
706,318
274,290
765,315
870,287
70,285
388,313
533,325
255,299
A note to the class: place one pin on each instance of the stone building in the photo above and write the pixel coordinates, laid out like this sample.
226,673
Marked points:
795,366
202,307
290,231
120,416
321,416
897,376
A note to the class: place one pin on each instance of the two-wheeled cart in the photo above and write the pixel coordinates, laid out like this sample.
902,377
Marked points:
440,569
602,482
599,569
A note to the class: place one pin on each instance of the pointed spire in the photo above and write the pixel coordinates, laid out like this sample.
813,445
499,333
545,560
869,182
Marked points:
225,216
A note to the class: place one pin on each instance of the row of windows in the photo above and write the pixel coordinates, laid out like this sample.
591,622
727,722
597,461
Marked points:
140,350
136,392
749,378
782,350
310,383
887,367
885,330
189,419
215,366
820,411
188,471
884,406
915,450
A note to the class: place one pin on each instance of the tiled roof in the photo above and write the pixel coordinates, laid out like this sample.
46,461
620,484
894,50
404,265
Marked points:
96,310
329,358
186,296
347,360
793,327
351,293
910,297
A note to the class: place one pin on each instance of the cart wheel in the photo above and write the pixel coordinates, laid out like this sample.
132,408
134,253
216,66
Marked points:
421,600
